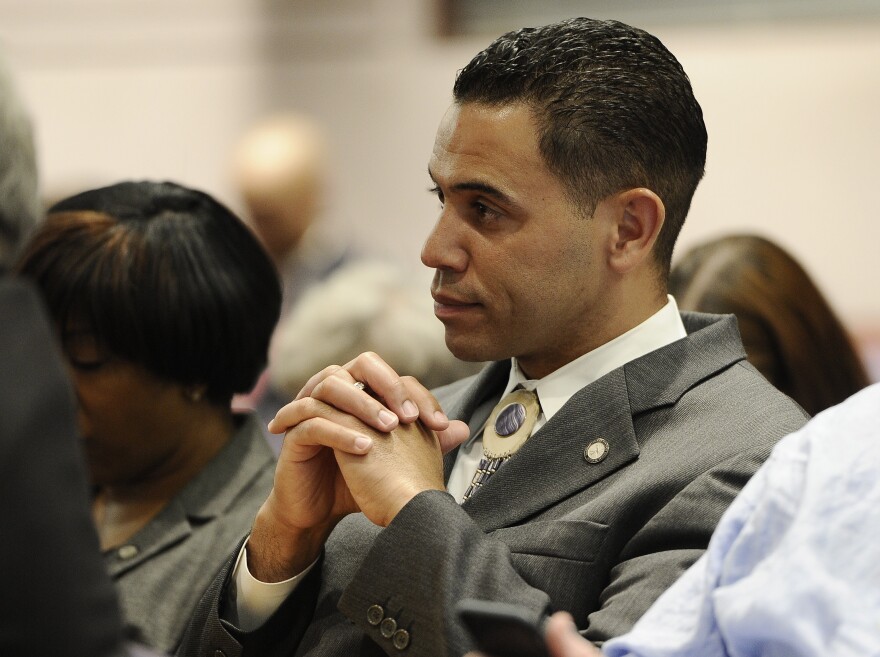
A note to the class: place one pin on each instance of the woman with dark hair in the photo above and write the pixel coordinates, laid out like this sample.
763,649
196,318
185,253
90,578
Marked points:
789,330
164,303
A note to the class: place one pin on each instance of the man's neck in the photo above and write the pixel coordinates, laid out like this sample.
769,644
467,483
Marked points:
608,330
658,324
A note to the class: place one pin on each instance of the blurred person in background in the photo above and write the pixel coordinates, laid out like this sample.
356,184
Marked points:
164,302
279,167
789,330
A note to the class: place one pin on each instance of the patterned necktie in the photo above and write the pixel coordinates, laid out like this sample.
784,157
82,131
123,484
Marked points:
507,429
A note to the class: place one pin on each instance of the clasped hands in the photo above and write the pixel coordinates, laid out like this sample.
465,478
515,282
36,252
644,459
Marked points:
347,450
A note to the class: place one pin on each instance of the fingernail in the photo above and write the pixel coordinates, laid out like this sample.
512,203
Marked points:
387,418
440,416
362,443
410,409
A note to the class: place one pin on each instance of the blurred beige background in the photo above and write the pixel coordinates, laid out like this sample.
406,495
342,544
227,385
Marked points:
162,89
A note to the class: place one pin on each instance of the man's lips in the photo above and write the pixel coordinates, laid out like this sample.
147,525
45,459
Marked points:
450,306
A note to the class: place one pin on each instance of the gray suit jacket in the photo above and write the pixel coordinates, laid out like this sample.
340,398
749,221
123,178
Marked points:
687,425
163,570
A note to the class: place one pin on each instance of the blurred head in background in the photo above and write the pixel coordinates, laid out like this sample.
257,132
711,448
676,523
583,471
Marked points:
790,332
279,167
19,196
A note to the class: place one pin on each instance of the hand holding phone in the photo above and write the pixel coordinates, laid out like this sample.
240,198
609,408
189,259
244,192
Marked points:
503,630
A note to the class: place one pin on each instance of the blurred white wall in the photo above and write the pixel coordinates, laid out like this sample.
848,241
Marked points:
162,88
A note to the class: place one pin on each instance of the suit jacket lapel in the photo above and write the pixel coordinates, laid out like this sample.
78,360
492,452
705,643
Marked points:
661,377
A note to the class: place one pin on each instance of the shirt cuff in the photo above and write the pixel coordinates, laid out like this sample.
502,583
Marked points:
256,601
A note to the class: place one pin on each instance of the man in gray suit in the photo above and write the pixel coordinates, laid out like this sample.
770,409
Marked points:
564,168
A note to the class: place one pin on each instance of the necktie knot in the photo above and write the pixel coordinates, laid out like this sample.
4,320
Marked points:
510,424
508,428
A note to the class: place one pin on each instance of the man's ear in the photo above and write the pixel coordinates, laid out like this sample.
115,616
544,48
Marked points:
640,214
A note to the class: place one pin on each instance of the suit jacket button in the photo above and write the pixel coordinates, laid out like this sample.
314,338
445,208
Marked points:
375,614
400,640
127,551
388,627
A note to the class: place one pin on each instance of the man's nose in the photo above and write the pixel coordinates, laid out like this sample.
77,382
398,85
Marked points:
444,249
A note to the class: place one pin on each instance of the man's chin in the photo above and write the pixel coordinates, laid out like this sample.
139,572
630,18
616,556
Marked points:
472,350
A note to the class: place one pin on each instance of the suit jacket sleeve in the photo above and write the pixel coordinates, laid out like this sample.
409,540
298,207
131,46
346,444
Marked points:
210,633
428,567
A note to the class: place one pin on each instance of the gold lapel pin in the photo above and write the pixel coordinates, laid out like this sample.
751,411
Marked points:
596,451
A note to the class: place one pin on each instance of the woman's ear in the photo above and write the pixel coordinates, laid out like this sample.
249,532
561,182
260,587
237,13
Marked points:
640,215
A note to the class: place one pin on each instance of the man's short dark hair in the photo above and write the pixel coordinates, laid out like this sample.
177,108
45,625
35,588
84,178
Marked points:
614,107
164,277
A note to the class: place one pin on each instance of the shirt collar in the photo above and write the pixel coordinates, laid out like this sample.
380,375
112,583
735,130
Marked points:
554,390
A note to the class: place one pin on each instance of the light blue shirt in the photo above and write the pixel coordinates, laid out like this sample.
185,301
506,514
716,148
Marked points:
793,567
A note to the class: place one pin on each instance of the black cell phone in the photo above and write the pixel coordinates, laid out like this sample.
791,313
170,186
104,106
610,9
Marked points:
503,630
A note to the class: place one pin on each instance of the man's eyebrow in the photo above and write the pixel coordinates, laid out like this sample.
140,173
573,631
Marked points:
477,186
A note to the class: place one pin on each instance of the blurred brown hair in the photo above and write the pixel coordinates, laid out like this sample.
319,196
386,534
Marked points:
789,330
